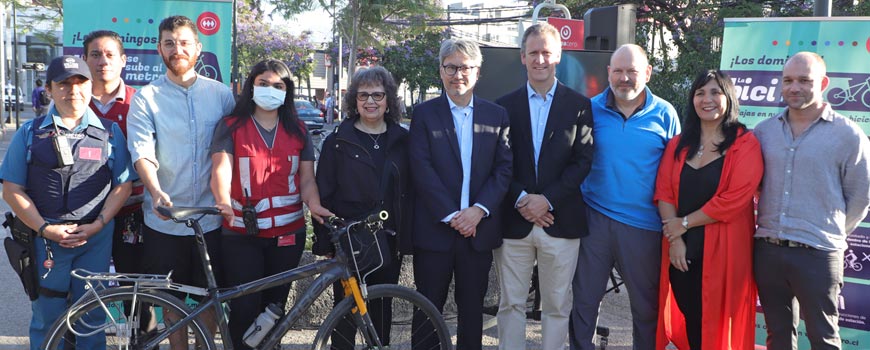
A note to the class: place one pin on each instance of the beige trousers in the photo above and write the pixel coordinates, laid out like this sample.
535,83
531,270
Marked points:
515,260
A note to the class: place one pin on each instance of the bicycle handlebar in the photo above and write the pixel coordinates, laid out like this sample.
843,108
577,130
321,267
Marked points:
335,223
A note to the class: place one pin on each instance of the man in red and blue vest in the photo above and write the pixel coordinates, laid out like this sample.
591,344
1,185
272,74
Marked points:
104,54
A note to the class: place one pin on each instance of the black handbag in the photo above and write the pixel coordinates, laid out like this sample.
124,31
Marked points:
367,248
20,249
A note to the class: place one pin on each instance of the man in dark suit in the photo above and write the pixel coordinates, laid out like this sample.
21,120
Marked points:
544,215
461,169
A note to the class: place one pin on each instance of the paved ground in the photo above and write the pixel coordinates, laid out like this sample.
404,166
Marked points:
15,307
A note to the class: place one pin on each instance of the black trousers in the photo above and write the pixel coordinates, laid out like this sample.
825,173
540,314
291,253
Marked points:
245,259
433,272
687,292
380,313
127,253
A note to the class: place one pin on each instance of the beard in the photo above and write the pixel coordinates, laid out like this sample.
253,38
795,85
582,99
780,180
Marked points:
180,64
626,91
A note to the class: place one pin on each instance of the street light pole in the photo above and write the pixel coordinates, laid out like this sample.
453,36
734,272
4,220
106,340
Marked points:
15,65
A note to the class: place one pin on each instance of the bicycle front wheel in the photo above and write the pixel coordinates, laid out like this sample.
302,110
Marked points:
402,319
115,315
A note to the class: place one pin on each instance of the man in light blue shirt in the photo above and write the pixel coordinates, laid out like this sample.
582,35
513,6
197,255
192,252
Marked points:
632,128
170,127
460,168
544,215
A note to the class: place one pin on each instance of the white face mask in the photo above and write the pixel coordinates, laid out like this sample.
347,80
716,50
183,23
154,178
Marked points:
269,98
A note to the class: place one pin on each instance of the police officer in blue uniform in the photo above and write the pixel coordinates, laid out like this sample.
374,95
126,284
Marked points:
65,176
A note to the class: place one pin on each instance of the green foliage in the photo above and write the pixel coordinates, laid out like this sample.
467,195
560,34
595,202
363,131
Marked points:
413,60
683,37
369,23
258,40
41,11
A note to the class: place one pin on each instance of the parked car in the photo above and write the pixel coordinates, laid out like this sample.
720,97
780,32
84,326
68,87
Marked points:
10,99
309,114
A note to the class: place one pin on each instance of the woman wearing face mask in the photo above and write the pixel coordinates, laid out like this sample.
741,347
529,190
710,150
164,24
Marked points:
263,172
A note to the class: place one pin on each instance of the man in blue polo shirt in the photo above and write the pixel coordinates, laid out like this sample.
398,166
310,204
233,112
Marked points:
632,127
67,195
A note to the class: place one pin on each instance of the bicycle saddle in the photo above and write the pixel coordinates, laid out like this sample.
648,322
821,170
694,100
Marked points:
183,212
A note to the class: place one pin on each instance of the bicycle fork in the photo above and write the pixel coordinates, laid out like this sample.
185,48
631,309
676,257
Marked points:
360,311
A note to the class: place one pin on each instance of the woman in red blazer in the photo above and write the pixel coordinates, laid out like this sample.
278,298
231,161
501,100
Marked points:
706,184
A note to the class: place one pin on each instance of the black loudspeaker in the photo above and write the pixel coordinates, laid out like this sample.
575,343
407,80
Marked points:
607,28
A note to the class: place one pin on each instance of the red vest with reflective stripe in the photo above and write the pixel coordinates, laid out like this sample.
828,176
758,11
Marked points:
118,114
270,176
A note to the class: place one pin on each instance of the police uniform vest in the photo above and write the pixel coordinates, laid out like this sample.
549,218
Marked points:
269,177
118,114
73,193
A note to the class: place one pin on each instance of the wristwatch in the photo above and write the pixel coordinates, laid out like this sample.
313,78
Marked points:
41,231
686,222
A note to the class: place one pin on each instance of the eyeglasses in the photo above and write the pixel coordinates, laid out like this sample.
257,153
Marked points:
171,44
451,69
364,96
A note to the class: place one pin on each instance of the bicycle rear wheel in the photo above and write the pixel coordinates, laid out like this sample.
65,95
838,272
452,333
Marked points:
402,318
121,327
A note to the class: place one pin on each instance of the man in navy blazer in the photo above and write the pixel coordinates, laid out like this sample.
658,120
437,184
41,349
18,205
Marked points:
544,214
461,169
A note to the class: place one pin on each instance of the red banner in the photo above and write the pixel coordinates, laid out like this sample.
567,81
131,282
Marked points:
571,31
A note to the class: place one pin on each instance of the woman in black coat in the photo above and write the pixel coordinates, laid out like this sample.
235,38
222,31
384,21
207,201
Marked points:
363,168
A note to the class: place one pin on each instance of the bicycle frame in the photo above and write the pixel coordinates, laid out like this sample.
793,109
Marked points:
329,271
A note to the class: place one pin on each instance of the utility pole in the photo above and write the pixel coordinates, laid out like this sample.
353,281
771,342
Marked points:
15,65
822,8
336,75
234,72
3,66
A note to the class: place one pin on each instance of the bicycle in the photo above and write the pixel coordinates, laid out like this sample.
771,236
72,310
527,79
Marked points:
839,96
143,290
317,138
850,261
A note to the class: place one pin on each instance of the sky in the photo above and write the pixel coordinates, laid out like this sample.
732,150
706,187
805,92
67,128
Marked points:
317,21
320,23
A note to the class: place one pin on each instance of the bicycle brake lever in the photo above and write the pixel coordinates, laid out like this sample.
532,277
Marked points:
335,221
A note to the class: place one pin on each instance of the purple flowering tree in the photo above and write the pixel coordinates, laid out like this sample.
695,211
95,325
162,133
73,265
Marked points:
414,61
258,40
366,25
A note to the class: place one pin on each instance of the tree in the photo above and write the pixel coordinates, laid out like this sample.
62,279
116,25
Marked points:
683,37
44,11
363,23
413,60
258,40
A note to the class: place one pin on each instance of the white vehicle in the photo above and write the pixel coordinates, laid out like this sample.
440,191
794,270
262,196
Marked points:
10,98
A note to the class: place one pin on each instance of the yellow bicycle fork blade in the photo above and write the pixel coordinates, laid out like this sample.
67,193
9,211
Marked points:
351,287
